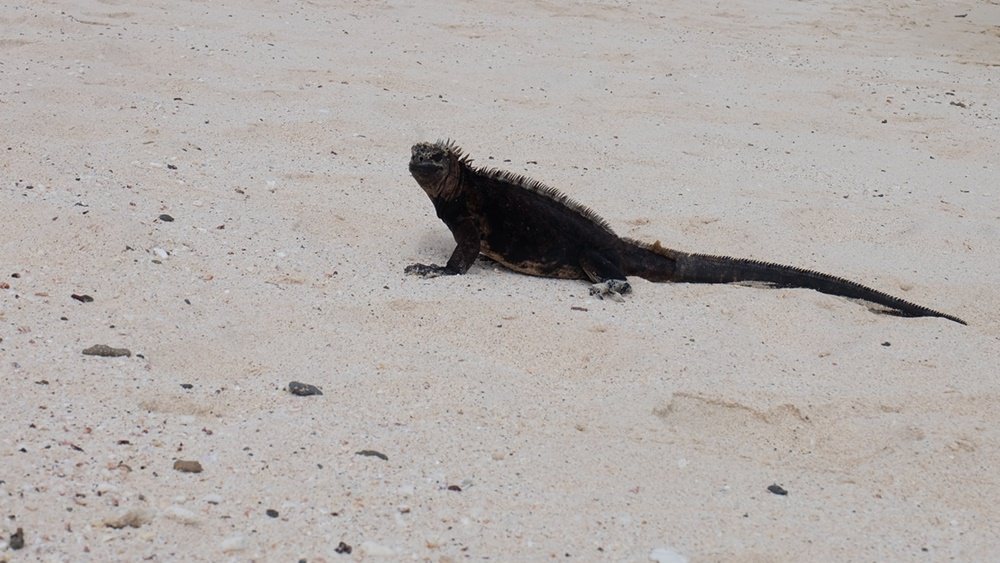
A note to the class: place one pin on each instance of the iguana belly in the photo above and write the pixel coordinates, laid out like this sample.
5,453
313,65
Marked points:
537,268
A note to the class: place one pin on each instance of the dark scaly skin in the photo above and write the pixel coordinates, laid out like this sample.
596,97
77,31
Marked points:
534,229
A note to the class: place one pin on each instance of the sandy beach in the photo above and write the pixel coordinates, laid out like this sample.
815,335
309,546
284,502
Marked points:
221,189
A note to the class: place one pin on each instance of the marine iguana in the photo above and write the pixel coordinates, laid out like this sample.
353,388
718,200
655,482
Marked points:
534,229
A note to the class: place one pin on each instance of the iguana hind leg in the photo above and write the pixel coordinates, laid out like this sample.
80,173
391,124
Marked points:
609,279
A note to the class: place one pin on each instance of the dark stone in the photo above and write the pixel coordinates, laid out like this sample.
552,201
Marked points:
16,540
106,351
185,466
778,490
303,389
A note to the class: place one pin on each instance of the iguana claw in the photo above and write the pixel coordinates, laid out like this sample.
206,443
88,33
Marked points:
612,289
426,270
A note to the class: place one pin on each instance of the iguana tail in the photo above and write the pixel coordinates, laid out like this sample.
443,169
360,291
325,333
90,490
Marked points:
656,263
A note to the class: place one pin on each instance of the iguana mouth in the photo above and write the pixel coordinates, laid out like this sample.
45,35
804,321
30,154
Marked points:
424,167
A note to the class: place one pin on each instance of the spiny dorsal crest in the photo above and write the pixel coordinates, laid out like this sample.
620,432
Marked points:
453,149
524,182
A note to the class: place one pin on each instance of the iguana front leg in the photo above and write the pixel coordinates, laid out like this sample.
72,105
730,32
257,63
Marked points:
466,234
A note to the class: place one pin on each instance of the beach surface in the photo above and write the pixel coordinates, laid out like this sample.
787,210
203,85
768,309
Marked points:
221,189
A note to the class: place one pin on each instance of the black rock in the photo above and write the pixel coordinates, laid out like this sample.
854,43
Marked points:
17,540
303,389
343,548
778,490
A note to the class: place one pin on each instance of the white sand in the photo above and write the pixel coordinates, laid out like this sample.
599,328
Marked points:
855,138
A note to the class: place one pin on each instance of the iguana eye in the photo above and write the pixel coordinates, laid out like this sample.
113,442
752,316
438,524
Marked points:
438,157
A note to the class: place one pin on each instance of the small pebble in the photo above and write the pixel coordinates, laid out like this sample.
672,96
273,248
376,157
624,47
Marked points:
212,498
166,218
372,453
455,488
236,542
778,490
132,518
303,389
186,386
373,549
105,488
181,514
343,548
82,298
17,539
160,252
271,512
185,466
106,351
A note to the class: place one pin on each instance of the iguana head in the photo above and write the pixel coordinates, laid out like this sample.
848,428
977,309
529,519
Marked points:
436,167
